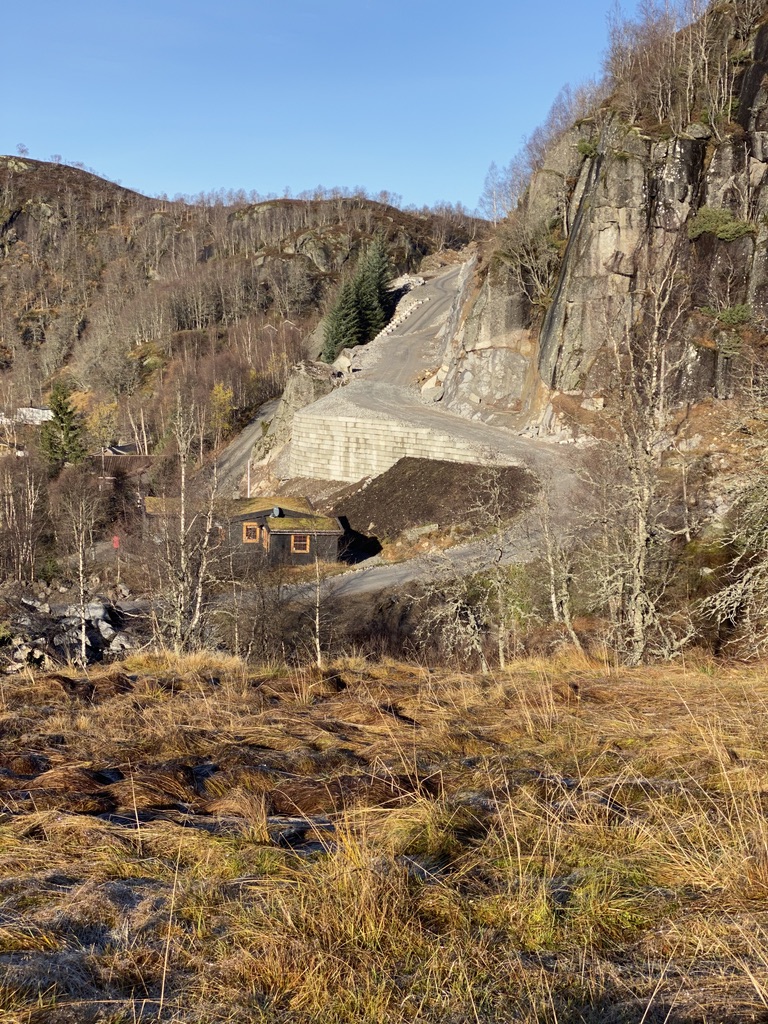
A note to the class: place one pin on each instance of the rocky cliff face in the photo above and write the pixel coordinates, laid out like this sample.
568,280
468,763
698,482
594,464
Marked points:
625,208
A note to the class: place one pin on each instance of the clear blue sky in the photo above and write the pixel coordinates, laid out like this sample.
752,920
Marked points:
413,96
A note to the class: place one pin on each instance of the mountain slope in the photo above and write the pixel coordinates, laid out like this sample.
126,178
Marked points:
130,294
632,218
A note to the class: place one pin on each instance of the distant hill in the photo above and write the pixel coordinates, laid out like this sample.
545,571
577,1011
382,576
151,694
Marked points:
131,295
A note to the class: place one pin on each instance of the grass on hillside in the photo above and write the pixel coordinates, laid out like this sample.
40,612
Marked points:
189,840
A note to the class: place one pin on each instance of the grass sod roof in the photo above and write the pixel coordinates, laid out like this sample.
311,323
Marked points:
303,524
300,519
232,508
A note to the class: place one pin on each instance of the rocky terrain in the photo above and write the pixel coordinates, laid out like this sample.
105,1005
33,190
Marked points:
624,203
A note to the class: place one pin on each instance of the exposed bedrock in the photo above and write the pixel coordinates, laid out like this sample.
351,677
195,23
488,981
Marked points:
619,205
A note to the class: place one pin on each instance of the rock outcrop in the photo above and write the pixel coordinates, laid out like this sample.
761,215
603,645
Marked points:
309,382
624,207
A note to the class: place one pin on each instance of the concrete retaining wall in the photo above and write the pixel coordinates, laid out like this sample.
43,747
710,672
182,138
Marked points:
350,448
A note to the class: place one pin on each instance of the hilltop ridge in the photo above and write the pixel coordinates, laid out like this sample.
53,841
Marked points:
120,291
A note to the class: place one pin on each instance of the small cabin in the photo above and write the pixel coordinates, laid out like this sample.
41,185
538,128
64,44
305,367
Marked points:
287,530
282,530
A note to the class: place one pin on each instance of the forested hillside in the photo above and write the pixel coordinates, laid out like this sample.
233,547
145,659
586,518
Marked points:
128,296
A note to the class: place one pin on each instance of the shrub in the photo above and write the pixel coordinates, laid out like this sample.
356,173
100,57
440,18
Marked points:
719,222
731,316
50,569
587,148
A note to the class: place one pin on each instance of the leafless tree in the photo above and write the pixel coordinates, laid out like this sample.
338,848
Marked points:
79,507
22,497
187,539
639,516
528,248
560,555
675,58
452,618
739,604
503,188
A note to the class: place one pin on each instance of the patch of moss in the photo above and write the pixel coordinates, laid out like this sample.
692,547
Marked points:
719,222
587,148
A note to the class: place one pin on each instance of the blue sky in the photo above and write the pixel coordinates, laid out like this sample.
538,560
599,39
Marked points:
167,96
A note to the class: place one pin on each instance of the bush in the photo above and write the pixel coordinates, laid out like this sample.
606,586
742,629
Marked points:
50,569
719,222
731,316
587,148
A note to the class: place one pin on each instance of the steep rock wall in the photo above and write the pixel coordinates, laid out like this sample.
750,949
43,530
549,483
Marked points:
620,204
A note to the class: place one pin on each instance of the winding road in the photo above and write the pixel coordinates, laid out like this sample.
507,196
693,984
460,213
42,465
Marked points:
384,379
413,346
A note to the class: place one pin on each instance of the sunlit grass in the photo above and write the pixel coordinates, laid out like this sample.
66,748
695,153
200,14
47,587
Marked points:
538,844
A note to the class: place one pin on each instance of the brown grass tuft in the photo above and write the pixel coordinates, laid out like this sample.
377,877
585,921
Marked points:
381,842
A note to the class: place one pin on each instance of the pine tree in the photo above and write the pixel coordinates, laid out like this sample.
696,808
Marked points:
343,327
61,438
364,305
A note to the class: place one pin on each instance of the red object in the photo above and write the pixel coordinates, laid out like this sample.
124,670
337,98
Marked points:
115,542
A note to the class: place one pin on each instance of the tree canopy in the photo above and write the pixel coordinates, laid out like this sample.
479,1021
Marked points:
364,304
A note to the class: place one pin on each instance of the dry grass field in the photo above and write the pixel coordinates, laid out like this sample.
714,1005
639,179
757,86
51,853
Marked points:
191,840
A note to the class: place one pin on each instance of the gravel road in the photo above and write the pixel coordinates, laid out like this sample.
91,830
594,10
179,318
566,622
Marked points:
413,346
232,464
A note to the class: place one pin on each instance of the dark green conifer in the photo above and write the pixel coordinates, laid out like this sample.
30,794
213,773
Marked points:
377,272
331,335
61,438
364,305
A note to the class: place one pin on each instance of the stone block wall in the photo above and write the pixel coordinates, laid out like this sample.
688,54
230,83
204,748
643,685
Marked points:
350,448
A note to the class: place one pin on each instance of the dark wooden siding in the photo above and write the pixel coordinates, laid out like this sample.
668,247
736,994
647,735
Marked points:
326,548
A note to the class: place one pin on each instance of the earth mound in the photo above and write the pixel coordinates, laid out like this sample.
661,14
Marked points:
415,492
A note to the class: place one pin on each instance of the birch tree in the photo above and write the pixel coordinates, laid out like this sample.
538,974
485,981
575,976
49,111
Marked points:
21,516
640,515
187,537
79,510
739,605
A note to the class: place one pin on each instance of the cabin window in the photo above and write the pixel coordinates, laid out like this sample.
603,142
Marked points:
251,533
300,543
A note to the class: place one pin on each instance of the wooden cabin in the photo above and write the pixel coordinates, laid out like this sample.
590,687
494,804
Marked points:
287,530
282,530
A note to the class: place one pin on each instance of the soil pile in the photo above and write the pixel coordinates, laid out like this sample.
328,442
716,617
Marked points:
415,492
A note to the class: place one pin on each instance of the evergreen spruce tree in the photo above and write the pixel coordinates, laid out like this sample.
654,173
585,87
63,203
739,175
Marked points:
364,305
61,438
372,317
377,271
331,336
350,318
344,325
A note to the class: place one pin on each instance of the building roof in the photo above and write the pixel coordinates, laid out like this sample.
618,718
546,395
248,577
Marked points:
263,504
298,515
117,465
303,524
